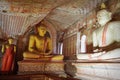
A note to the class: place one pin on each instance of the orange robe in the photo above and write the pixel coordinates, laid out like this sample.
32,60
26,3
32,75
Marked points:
8,59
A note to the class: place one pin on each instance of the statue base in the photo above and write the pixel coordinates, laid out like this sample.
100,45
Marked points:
36,67
93,70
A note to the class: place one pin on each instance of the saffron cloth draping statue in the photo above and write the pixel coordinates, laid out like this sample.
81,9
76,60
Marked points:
9,50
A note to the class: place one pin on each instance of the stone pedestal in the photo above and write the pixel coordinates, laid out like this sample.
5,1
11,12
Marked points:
34,67
93,70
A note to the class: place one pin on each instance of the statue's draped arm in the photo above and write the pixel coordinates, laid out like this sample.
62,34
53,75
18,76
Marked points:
31,43
49,46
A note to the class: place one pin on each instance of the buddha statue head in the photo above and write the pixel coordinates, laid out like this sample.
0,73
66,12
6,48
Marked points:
103,16
41,30
10,40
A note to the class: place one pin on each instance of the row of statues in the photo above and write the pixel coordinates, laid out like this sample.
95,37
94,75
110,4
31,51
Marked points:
40,46
106,41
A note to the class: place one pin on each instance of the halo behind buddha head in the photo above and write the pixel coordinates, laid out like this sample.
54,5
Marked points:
42,25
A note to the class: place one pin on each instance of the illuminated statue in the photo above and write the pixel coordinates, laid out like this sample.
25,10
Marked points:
106,39
9,51
40,46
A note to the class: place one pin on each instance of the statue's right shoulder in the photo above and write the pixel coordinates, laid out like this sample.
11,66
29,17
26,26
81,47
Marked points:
32,36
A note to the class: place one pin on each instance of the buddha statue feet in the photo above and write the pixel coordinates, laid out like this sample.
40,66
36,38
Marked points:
45,58
57,58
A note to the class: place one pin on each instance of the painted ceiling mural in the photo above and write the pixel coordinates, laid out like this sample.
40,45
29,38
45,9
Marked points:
17,16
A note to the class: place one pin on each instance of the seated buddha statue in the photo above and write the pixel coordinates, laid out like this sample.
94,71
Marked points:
40,46
106,39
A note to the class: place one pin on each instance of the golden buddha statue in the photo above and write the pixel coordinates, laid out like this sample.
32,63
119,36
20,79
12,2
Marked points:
40,46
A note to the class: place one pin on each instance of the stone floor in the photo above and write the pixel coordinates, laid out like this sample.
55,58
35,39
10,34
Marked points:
35,77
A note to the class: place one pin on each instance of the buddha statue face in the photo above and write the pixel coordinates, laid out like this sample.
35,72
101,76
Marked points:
42,30
103,16
10,40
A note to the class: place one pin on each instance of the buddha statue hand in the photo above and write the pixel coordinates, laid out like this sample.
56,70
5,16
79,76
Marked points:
45,55
97,50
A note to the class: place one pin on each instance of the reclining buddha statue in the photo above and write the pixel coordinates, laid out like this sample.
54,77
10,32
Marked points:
106,38
40,46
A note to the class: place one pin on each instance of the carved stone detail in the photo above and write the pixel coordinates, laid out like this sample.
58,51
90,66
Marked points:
31,67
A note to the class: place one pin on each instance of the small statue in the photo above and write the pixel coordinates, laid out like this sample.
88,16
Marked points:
106,38
40,46
9,50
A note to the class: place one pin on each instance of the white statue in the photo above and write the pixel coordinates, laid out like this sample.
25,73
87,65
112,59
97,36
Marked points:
107,34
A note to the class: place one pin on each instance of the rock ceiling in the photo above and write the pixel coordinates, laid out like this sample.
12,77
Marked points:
61,13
